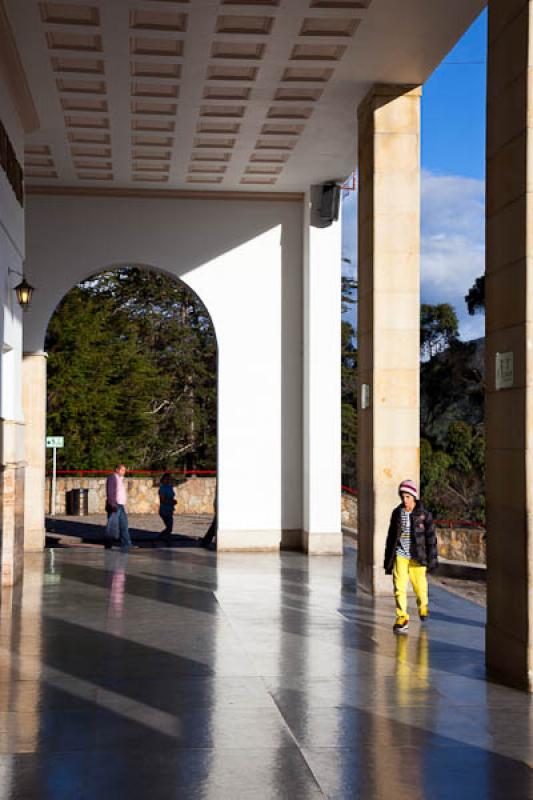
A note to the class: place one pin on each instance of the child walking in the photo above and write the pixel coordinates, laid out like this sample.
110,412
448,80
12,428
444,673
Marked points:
410,551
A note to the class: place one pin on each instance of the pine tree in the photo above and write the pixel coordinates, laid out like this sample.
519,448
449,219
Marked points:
132,374
348,387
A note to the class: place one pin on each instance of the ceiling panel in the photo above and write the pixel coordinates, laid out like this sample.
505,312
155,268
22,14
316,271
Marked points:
227,94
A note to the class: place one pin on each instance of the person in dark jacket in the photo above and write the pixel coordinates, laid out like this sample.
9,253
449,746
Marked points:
410,551
167,501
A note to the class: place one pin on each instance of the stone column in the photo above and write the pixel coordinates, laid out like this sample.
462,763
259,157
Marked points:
11,501
322,385
509,343
34,407
388,315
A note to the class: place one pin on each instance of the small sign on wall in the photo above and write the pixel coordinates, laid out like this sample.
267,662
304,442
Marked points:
365,395
504,370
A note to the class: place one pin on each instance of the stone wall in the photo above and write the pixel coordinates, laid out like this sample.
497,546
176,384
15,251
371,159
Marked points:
12,485
349,511
193,495
463,544
455,544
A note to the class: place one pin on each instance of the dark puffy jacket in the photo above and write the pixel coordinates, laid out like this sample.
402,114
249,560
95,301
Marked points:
423,539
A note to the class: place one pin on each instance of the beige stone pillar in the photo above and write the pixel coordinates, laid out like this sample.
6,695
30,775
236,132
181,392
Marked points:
34,406
388,315
509,331
11,501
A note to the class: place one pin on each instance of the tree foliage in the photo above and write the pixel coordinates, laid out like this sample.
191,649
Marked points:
439,327
349,287
475,299
451,387
453,476
348,386
132,371
452,411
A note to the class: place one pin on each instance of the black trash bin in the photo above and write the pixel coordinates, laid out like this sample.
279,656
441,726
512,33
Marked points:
78,502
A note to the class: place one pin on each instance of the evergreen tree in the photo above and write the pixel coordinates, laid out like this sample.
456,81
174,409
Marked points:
348,387
475,299
439,327
132,374
452,409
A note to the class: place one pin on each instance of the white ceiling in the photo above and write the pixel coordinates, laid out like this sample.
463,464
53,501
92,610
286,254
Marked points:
207,94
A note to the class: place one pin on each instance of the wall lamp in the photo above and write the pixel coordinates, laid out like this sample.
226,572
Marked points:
23,290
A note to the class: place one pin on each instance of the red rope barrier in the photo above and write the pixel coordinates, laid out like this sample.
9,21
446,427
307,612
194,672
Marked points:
81,472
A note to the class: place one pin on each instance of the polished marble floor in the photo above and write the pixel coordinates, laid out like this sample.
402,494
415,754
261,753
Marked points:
183,674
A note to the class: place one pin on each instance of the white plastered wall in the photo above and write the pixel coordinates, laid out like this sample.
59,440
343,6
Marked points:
322,384
244,260
11,257
12,468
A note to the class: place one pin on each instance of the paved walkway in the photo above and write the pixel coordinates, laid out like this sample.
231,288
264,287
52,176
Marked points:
68,531
181,673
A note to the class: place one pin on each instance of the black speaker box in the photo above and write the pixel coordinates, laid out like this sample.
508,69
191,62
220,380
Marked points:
329,202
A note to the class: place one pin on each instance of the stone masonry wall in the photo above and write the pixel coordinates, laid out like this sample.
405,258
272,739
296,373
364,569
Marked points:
455,544
463,544
349,510
193,495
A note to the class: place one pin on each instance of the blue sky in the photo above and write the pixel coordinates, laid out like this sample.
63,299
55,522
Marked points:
453,179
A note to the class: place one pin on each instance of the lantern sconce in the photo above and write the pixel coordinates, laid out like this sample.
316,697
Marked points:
23,290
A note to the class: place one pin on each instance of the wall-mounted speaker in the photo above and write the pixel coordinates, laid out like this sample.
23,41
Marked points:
330,195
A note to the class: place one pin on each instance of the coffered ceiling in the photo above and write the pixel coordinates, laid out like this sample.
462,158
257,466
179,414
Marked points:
251,95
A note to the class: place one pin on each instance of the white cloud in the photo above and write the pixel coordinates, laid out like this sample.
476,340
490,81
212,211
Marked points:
453,243
349,230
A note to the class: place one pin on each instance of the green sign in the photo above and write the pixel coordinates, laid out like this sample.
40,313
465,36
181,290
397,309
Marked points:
55,441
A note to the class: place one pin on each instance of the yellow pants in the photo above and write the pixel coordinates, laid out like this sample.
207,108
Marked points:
412,673
406,570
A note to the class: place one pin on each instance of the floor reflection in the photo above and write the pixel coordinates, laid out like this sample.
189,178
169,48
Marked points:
244,676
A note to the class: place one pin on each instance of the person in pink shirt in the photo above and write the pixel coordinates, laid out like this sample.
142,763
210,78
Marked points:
116,502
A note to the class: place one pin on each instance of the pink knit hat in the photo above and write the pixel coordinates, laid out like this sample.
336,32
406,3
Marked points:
408,487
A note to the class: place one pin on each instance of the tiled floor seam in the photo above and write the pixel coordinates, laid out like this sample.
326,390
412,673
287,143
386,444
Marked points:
284,721
297,744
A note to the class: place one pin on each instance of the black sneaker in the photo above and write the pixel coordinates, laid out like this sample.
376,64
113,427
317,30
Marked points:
401,625
424,617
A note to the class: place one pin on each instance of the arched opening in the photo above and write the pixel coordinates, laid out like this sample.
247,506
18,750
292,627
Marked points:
240,252
132,378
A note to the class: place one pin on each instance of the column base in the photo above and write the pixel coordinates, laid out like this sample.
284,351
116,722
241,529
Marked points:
34,540
322,544
508,660
316,544
11,524
258,541
12,475
374,581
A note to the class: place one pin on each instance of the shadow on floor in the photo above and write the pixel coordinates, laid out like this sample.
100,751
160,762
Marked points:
127,718
59,531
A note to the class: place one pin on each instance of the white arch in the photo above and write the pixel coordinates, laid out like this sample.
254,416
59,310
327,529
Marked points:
244,261
121,265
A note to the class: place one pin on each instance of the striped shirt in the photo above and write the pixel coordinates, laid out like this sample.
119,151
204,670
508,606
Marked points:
403,548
